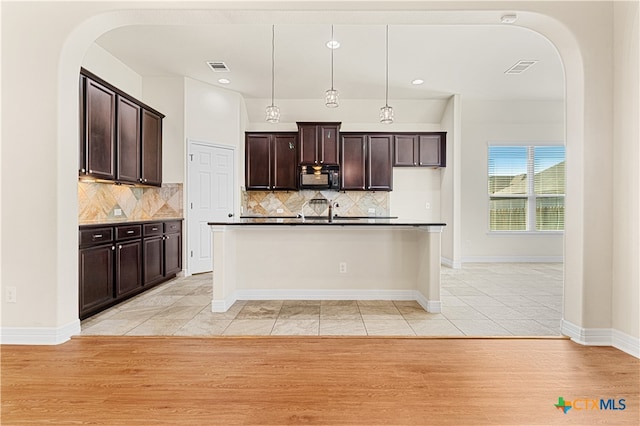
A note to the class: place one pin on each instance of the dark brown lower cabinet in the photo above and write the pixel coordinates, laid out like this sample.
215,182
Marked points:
128,267
172,254
153,260
118,262
96,278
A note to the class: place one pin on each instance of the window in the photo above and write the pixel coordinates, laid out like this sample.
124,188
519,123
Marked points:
526,188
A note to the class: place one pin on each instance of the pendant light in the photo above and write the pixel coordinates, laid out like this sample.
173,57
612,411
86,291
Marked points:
386,112
273,112
331,95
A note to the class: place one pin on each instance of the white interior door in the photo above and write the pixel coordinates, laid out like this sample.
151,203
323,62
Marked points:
210,198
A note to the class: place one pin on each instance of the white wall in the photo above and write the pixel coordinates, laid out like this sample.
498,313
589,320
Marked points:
516,122
451,190
626,177
167,96
113,71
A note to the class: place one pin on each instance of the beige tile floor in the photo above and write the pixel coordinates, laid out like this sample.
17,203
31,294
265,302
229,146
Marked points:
477,300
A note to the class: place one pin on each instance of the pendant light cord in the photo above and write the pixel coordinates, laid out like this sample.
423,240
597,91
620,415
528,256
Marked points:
386,94
273,48
332,49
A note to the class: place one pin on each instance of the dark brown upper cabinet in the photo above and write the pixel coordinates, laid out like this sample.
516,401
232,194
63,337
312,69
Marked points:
99,135
271,161
151,148
318,143
128,141
366,162
420,150
120,137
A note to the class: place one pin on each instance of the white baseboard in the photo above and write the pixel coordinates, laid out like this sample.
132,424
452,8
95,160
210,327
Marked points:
429,305
451,263
39,335
512,259
602,337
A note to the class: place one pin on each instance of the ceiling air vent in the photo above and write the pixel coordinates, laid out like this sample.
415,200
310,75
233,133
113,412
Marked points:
218,66
520,67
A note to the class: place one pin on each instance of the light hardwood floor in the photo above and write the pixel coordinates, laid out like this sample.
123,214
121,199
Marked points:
314,380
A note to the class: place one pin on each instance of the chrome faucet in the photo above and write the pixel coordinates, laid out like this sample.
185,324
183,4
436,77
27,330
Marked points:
332,205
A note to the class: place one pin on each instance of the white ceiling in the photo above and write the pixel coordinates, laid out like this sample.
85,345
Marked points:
461,59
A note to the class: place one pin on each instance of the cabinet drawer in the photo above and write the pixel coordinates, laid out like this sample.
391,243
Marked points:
95,236
151,229
128,231
171,227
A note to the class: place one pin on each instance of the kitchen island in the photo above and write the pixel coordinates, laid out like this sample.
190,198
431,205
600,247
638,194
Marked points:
310,259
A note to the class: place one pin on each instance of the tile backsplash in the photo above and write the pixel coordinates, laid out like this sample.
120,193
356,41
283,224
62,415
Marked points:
99,202
350,203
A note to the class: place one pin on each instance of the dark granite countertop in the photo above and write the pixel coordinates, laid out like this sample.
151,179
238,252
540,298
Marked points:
324,221
116,222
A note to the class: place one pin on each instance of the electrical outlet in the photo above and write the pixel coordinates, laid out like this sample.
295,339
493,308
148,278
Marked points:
371,211
427,206
342,267
279,211
117,212
11,295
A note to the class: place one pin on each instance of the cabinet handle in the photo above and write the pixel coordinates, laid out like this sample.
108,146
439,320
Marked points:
167,237
83,170
97,236
120,247
154,229
113,248
145,181
130,232
90,171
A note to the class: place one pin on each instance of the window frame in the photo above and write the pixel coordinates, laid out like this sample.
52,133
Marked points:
530,197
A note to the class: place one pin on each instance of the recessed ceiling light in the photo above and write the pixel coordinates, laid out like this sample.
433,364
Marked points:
333,44
224,81
417,82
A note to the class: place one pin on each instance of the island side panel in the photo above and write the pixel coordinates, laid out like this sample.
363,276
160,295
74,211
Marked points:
428,277
224,268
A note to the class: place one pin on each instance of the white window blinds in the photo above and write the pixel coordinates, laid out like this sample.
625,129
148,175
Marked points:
526,188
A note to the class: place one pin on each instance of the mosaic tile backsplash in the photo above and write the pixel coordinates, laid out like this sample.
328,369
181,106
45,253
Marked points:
97,202
350,203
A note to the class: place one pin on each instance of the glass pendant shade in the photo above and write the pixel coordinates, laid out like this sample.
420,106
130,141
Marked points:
386,115
331,98
273,114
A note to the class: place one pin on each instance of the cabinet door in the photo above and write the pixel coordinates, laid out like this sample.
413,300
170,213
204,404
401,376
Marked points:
328,145
128,133
379,163
432,150
258,161
308,140
128,267
96,278
153,257
352,170
405,150
172,254
100,122
82,159
151,148
285,162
